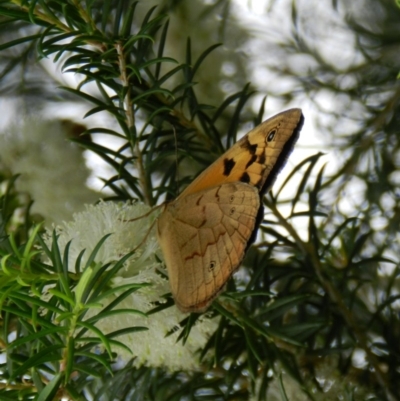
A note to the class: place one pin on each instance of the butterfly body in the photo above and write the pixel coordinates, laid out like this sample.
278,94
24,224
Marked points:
204,233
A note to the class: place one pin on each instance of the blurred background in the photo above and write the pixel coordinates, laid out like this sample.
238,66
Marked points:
339,61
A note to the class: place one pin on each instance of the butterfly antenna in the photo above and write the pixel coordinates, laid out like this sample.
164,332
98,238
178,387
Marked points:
144,215
145,237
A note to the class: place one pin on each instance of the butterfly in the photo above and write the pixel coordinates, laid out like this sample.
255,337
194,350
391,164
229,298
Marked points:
204,233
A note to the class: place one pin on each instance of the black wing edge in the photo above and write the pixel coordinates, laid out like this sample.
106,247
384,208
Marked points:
269,182
283,158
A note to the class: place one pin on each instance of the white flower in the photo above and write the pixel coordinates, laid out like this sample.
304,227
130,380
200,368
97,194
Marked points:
151,347
52,168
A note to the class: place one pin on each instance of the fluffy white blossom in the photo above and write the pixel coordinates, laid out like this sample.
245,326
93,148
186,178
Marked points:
150,347
52,168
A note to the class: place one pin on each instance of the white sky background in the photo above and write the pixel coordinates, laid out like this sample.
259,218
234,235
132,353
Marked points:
337,47
272,19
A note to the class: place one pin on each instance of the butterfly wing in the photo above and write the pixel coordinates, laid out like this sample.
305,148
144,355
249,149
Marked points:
203,237
255,159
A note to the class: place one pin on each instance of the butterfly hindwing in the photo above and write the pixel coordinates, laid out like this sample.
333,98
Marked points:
204,235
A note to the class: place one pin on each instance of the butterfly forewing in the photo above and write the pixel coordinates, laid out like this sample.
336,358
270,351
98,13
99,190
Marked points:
253,157
204,233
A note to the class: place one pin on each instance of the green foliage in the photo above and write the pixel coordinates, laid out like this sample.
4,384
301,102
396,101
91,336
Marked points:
305,300
45,305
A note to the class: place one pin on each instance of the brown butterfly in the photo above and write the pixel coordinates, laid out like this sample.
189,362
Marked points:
206,230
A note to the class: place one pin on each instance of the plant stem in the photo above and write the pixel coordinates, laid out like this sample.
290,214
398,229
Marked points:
130,120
